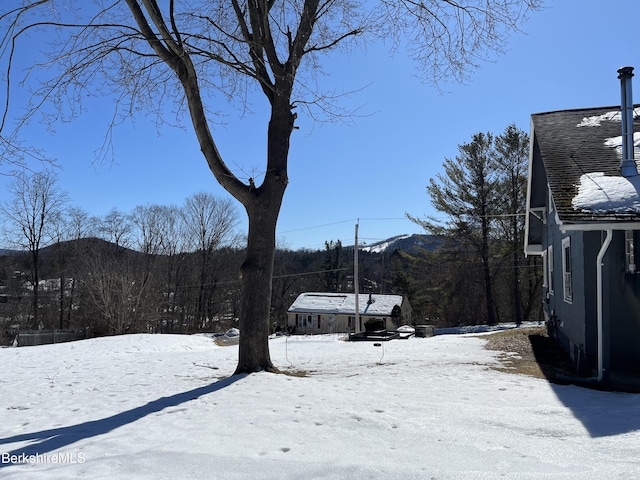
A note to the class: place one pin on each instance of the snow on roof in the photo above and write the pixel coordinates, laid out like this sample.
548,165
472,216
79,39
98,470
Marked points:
611,116
599,193
596,120
616,142
344,303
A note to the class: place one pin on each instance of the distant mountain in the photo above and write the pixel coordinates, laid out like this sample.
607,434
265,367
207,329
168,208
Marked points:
406,243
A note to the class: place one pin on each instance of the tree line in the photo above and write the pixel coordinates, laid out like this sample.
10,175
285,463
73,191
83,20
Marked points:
478,274
176,268
157,268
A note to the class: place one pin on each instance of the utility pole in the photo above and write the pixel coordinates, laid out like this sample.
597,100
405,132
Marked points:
356,285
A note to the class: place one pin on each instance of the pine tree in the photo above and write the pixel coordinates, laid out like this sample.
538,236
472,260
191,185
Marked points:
466,194
512,149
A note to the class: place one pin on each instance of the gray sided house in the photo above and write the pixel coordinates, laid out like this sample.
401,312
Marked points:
318,312
583,217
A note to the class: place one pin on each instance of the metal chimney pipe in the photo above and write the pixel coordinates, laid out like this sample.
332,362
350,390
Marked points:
628,165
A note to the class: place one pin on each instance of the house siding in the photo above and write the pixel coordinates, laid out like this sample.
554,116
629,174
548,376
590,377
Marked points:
621,304
592,242
569,332
623,309
323,323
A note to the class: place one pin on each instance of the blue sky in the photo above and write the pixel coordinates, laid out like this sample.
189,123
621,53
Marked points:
375,167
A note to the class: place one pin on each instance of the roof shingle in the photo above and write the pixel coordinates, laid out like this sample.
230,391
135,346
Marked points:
571,143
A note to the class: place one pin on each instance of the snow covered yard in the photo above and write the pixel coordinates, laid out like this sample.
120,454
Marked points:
160,407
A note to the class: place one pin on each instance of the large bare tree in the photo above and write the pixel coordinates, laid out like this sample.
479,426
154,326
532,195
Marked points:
209,224
29,216
192,52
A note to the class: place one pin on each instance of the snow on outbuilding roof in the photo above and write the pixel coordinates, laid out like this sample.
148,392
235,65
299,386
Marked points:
345,303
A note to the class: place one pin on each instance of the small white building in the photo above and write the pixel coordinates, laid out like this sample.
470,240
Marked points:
319,312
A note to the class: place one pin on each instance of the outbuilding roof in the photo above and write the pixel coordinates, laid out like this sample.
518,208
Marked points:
344,303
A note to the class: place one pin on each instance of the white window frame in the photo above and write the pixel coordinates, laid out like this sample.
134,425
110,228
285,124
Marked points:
630,251
550,282
567,286
306,320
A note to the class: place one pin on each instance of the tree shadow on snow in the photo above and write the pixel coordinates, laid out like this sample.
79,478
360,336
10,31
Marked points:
604,410
46,441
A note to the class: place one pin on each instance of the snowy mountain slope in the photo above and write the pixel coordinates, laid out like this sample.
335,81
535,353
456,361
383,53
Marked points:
407,243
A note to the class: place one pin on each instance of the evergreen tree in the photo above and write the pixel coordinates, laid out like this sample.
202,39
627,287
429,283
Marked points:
512,151
333,266
482,194
466,195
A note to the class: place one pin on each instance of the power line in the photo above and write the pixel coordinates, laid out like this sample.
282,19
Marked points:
311,227
311,273
319,226
346,221
231,282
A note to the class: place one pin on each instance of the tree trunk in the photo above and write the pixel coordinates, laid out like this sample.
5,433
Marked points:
70,303
516,276
263,207
35,278
255,303
61,303
491,318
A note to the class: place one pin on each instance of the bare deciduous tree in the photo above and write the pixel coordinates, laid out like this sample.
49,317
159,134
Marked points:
148,225
79,226
116,288
115,227
209,223
35,203
172,248
191,53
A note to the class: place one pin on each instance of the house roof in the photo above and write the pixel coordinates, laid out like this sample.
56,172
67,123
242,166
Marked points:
579,152
344,303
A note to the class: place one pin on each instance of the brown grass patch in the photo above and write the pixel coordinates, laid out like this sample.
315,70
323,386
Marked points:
295,373
530,351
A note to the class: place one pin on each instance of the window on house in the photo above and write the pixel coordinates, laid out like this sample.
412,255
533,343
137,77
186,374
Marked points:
318,321
566,269
550,268
630,252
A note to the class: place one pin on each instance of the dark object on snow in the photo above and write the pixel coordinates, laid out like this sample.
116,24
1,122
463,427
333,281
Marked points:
424,330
